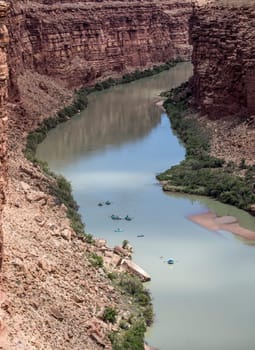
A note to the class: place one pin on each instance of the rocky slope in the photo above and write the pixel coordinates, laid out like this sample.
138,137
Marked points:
55,298
3,148
3,114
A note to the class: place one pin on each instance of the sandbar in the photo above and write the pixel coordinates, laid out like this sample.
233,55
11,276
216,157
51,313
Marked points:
227,223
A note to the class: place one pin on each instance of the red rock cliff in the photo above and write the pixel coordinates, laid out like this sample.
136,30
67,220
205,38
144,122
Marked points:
3,143
222,36
3,115
80,41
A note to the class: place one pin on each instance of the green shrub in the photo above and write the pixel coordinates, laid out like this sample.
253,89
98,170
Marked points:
109,315
134,287
242,164
250,176
112,276
76,222
125,243
148,315
201,173
131,284
124,325
96,260
62,188
88,237
99,86
138,74
131,339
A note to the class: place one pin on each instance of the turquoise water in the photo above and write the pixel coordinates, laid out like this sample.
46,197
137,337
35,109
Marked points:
112,151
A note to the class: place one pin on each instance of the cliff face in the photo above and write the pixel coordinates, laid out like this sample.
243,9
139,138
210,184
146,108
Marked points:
3,144
56,46
3,115
222,35
78,42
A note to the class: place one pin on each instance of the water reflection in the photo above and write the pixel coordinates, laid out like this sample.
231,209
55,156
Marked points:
204,301
117,116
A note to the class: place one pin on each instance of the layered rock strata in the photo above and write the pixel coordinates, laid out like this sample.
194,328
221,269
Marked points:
55,297
3,114
83,41
3,146
222,34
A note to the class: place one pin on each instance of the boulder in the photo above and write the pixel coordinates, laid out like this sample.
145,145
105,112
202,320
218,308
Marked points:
120,251
133,268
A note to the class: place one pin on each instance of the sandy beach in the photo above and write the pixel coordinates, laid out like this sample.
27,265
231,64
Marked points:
226,223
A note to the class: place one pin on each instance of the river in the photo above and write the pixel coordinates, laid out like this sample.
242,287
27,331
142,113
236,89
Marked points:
112,151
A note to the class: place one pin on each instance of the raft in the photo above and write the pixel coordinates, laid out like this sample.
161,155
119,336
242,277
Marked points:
170,261
118,230
115,217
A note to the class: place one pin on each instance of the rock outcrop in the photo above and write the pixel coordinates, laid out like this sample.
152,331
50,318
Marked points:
79,42
3,145
222,34
3,114
55,297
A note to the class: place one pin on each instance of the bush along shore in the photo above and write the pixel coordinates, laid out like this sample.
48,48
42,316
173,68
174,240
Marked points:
131,333
61,188
132,329
200,173
138,315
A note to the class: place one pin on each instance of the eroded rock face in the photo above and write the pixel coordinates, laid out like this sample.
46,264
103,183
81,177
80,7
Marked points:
222,35
81,41
3,146
3,114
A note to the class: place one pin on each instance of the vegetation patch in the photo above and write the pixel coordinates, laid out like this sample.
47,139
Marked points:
80,102
131,333
96,260
61,188
34,138
200,173
110,314
131,339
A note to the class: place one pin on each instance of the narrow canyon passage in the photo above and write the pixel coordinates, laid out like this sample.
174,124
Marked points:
112,151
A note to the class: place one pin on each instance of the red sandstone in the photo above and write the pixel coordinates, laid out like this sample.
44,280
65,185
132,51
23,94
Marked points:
222,35
83,41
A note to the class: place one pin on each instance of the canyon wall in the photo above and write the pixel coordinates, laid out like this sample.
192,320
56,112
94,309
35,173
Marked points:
78,42
223,38
57,45
3,116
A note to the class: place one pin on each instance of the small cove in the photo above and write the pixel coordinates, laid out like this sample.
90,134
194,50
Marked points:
112,151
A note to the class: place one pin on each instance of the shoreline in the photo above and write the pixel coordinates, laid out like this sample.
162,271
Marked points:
35,218
198,172
201,172
160,104
230,224
31,169
38,134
